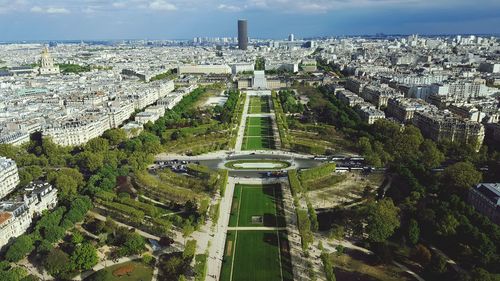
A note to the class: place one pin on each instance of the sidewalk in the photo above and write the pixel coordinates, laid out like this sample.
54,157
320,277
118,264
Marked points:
218,241
241,131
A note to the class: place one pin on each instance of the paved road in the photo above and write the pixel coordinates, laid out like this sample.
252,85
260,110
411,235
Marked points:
217,161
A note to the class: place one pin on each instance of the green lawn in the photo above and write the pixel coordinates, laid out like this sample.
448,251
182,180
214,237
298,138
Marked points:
141,272
257,131
252,255
256,200
258,143
257,255
258,134
259,105
259,121
236,164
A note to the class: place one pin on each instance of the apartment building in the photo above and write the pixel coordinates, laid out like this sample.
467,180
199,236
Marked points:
404,109
485,198
204,69
444,126
349,98
379,96
16,216
369,113
14,138
9,177
77,132
355,85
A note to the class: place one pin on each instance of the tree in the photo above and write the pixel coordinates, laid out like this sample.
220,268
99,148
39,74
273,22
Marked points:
97,145
413,231
173,267
134,244
479,274
447,225
437,265
54,233
405,145
21,247
431,156
382,219
84,257
67,181
77,238
421,254
44,247
13,274
328,267
29,173
91,161
460,177
187,230
56,262
189,249
115,136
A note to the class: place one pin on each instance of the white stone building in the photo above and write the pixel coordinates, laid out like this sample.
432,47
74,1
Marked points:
204,69
9,177
16,216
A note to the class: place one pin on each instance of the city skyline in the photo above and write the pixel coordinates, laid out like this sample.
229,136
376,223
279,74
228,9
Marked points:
140,19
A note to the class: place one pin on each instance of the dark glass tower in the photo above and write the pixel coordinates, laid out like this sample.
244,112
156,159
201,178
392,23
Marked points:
242,34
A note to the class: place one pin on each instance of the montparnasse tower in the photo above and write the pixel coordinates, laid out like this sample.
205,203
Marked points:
47,66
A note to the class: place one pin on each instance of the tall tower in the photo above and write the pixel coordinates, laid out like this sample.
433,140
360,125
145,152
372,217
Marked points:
242,34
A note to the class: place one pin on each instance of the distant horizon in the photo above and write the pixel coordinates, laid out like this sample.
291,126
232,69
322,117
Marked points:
275,38
28,20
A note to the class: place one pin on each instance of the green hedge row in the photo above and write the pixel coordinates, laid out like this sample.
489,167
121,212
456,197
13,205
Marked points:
317,172
122,209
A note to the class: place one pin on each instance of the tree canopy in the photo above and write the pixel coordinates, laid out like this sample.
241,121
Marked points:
382,218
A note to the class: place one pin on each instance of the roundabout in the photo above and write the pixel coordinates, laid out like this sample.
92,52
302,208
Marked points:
257,164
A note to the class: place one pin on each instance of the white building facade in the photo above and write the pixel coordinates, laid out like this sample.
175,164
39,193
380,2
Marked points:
9,176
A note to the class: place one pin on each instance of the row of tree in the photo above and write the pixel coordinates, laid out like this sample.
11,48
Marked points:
423,203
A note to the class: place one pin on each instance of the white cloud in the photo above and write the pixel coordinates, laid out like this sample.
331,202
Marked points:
160,5
322,6
229,8
119,4
49,10
234,6
7,6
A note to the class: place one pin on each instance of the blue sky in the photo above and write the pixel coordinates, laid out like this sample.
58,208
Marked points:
184,19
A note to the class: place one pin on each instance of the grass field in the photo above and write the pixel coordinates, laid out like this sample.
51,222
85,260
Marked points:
258,134
141,272
257,200
255,256
259,105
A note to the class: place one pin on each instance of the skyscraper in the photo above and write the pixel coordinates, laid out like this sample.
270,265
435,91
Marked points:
242,34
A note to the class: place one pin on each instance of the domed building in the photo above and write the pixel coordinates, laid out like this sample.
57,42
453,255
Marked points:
47,64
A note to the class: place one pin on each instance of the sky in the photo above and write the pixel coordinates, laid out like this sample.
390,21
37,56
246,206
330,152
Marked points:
185,19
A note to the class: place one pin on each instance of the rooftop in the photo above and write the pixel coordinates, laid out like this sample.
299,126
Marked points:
4,217
490,191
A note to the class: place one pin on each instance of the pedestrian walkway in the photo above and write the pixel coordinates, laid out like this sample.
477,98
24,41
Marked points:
241,130
218,241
